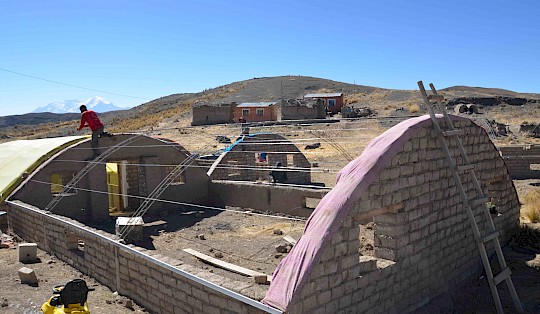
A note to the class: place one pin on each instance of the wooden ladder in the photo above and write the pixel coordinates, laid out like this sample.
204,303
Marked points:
434,102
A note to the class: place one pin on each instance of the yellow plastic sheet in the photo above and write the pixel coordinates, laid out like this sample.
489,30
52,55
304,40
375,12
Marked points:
22,156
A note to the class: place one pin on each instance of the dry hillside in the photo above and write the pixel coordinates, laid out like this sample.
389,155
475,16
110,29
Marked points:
177,107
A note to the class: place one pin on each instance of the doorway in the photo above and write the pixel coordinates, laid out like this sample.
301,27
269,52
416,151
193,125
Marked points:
117,186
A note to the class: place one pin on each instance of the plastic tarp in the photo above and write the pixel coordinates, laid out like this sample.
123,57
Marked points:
353,180
22,156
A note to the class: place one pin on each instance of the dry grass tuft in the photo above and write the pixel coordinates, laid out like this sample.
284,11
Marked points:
531,205
354,98
414,108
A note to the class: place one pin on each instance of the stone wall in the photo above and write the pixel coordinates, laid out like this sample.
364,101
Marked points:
522,161
300,109
212,114
265,197
423,240
160,284
240,163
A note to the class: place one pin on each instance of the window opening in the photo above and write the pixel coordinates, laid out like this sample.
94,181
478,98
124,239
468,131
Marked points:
59,179
260,112
245,112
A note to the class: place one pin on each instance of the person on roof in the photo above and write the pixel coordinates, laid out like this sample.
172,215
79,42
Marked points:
90,119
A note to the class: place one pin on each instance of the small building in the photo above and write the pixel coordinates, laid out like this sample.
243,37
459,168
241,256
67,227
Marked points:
253,156
332,101
212,113
301,109
255,112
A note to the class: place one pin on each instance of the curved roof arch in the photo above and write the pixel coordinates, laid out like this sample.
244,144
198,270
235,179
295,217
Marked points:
18,157
353,181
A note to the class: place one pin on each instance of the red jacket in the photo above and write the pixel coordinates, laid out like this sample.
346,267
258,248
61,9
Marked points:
89,118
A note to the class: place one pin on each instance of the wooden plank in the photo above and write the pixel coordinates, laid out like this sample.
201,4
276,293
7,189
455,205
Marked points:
290,240
258,277
368,216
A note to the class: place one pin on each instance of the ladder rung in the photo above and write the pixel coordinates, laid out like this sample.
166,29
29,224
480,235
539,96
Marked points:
478,201
451,132
465,167
435,97
502,276
490,237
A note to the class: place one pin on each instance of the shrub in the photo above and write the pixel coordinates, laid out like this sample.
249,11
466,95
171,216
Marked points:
531,205
414,108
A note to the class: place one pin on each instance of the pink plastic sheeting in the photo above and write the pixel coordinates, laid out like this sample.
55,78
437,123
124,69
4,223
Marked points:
294,270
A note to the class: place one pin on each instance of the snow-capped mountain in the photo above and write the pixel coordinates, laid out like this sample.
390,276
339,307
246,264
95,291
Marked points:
96,104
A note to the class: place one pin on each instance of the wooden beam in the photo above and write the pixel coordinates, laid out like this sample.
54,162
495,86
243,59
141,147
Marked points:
257,276
290,240
368,216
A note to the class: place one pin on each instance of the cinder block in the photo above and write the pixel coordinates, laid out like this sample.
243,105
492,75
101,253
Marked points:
27,252
28,276
367,264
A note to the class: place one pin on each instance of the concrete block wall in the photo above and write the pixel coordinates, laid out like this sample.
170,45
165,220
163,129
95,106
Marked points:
519,158
132,177
243,155
142,177
423,242
160,284
212,114
264,197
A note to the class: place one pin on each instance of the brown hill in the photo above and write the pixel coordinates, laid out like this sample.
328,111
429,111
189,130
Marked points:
177,107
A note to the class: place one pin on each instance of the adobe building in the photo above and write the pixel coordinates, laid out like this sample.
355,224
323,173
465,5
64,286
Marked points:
253,156
116,184
522,161
212,113
301,109
332,101
255,112
423,243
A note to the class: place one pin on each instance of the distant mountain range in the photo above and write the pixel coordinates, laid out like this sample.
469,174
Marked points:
96,104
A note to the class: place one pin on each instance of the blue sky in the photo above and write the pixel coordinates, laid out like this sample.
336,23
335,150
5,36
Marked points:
149,49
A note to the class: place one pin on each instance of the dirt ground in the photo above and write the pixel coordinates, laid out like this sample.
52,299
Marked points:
17,298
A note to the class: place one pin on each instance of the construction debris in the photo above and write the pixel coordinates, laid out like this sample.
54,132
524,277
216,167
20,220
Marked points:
28,276
6,241
257,276
283,248
290,240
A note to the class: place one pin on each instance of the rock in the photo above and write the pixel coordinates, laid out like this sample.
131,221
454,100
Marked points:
201,236
281,248
4,302
278,255
313,146
129,304
218,255
28,276
278,232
